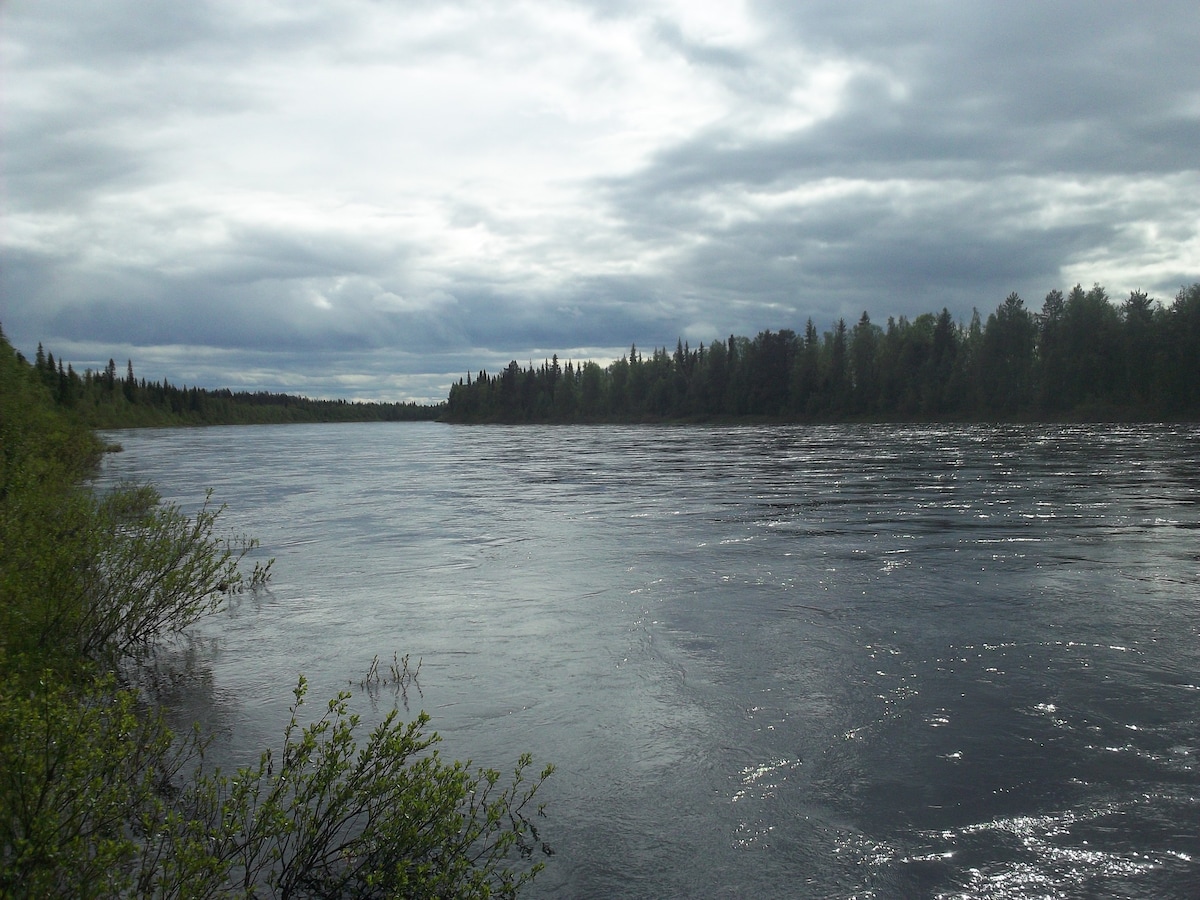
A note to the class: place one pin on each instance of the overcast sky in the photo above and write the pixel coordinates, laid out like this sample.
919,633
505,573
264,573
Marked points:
367,198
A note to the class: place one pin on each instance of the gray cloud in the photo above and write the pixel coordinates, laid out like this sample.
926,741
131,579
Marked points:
351,199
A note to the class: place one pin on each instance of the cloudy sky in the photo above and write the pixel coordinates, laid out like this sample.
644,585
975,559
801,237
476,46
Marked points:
368,198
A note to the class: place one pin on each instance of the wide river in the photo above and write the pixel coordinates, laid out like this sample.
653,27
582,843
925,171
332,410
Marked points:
768,662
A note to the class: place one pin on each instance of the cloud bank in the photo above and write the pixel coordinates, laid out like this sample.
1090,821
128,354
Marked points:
365,199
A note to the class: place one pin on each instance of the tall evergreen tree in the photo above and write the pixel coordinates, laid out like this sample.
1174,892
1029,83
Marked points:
864,353
1006,357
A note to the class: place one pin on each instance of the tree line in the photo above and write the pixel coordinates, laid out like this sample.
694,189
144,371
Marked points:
106,399
100,799
1082,356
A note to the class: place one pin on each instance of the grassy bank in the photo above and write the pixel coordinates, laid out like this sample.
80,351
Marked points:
99,799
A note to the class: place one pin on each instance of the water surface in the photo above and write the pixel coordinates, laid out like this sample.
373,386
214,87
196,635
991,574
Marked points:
767,661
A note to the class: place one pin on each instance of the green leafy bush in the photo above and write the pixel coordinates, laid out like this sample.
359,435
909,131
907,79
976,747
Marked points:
328,816
92,800
78,766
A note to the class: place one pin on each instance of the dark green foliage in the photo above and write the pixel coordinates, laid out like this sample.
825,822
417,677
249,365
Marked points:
1005,365
80,764
93,802
329,817
1179,367
1081,357
105,400
108,577
38,444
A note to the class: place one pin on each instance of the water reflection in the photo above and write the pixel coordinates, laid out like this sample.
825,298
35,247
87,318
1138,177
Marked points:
824,662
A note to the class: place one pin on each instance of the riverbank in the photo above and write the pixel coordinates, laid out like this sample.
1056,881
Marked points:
99,799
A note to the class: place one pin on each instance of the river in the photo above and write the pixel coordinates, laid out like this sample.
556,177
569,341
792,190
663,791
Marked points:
769,662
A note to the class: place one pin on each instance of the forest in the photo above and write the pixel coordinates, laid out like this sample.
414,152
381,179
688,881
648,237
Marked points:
108,400
1082,357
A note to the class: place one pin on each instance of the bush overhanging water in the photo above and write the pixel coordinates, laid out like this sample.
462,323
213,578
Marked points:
96,798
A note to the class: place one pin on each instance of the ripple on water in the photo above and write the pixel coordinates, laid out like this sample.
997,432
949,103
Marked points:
981,641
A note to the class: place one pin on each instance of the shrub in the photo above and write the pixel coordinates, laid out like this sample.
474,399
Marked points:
328,817
92,801
77,767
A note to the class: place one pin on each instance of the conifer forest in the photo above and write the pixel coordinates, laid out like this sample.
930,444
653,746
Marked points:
1081,357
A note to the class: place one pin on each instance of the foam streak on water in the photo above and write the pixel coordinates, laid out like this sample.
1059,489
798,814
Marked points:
771,662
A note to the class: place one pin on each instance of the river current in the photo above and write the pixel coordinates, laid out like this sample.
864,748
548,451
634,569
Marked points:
769,662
